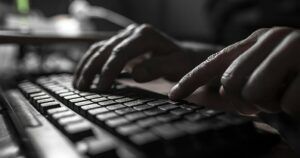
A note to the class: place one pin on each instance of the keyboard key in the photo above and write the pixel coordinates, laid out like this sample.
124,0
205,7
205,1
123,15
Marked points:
59,115
180,111
154,111
129,129
113,97
191,107
134,103
66,94
69,119
167,131
72,96
124,111
99,99
85,94
38,102
87,102
115,107
76,100
115,122
148,122
142,107
144,100
36,94
106,103
135,116
211,113
168,107
79,104
157,102
93,96
46,106
195,116
56,110
123,100
62,91
83,109
167,117
145,139
105,116
149,142
102,147
97,111
41,97
194,128
78,131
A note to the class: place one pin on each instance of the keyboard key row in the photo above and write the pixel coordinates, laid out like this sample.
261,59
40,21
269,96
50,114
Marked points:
145,122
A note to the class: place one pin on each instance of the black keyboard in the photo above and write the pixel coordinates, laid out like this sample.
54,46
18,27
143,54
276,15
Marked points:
148,124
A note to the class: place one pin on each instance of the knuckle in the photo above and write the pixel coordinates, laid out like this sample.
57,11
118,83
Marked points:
96,45
145,29
117,52
279,30
294,36
232,83
131,26
256,34
260,31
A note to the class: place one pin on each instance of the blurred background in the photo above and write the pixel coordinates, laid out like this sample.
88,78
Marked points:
210,21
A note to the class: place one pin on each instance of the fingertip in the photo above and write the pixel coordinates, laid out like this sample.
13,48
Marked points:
222,91
74,83
104,84
174,93
82,85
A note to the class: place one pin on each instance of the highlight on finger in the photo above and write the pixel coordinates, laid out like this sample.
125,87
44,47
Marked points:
213,67
92,50
95,63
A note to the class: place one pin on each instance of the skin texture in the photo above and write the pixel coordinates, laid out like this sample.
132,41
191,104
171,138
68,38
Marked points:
259,73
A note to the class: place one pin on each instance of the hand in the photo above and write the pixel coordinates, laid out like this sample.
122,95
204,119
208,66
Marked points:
148,53
259,73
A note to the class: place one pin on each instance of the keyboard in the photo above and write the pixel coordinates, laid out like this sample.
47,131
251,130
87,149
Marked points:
128,122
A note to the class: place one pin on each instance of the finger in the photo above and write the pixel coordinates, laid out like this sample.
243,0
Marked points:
214,66
237,74
140,42
92,50
205,96
239,105
290,101
95,63
271,78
